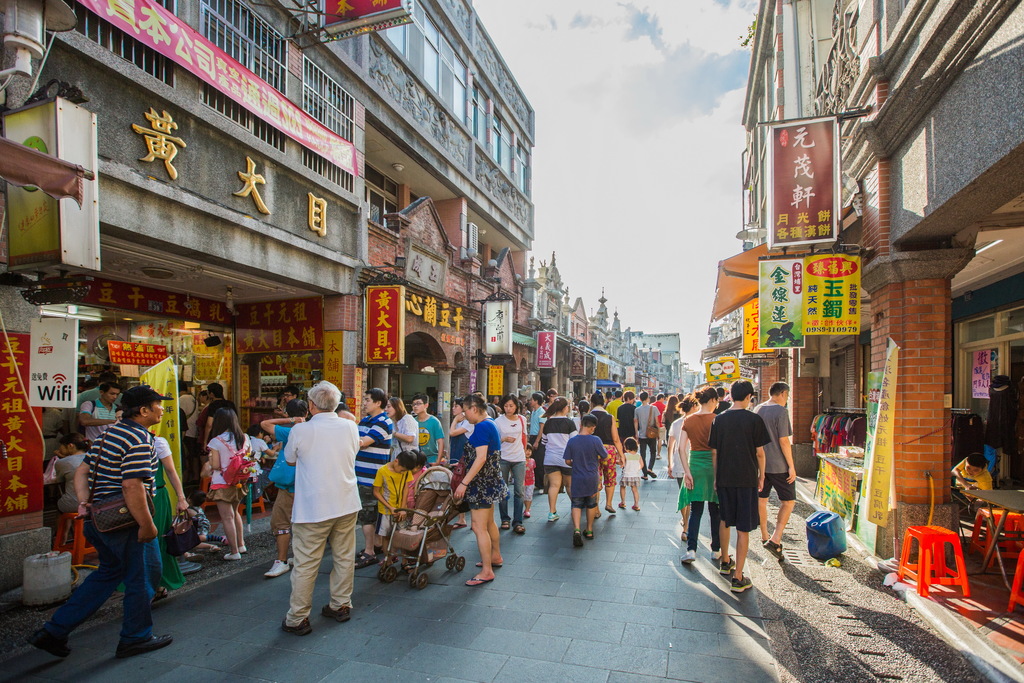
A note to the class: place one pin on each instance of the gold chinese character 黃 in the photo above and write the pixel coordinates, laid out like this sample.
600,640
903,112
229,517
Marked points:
251,179
317,214
159,141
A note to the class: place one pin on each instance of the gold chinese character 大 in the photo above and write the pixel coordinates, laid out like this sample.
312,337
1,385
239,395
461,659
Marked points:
317,214
251,179
159,141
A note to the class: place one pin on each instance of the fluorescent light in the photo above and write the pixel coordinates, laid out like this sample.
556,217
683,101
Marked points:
74,316
987,246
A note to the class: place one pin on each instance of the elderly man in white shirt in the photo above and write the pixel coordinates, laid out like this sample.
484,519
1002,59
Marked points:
323,450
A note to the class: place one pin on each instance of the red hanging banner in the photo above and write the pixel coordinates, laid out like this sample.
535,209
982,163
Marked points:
803,162
385,325
21,452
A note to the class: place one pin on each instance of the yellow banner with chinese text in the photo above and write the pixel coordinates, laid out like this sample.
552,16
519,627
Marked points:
496,380
334,345
752,328
163,377
832,294
880,482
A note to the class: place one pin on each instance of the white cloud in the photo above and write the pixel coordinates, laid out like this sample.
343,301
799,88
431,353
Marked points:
637,165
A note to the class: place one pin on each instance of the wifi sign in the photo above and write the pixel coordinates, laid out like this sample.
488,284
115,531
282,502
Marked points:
59,378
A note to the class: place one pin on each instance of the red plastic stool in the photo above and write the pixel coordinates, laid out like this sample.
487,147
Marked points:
78,546
931,568
1018,579
980,534
258,503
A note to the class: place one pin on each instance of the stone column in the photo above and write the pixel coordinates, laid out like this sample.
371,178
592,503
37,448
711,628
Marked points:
513,384
379,378
444,385
911,303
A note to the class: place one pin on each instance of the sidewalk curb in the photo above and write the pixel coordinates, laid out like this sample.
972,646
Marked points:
988,661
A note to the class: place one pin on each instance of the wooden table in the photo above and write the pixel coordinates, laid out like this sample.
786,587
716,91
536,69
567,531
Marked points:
1009,500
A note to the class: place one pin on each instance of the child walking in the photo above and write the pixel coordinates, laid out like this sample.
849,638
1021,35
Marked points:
584,453
529,480
632,471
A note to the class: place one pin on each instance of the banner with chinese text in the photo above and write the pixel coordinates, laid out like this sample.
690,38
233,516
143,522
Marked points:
496,380
832,294
880,481
546,350
837,488
780,301
498,328
275,326
112,294
348,16
334,361
132,353
53,362
435,312
981,373
159,29
752,328
803,163
385,325
163,377
21,460
577,362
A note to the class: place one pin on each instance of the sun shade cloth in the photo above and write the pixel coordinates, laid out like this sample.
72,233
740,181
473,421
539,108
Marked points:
737,281
21,166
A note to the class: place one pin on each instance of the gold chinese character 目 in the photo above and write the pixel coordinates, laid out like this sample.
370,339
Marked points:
251,179
317,214
159,141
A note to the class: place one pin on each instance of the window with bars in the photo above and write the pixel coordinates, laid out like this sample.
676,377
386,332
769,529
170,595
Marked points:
223,104
125,46
326,101
244,35
331,171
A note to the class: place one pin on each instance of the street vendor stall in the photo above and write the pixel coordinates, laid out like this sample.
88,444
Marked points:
839,481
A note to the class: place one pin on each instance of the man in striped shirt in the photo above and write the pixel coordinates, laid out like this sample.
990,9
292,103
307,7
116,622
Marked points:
122,461
375,431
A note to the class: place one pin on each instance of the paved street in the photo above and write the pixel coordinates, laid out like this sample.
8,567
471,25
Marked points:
620,609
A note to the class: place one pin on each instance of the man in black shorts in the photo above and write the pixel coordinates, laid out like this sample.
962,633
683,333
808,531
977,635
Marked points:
780,473
737,444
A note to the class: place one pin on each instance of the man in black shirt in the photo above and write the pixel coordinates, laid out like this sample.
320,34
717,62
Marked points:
625,415
737,444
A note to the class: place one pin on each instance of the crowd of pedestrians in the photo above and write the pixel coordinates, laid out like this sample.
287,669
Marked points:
343,481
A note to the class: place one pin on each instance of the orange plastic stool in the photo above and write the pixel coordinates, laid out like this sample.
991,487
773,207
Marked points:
1018,579
258,503
931,569
980,534
78,546
204,486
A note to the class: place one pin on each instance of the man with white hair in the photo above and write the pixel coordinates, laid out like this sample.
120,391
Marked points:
323,450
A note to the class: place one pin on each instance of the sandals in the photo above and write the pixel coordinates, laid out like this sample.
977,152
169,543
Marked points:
519,529
636,508
161,594
622,506
364,560
505,526
589,535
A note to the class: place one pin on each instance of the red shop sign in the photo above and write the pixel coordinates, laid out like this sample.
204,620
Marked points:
803,201
385,325
131,353
276,326
21,471
112,294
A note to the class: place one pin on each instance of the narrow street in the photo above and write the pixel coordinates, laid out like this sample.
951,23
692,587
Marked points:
620,609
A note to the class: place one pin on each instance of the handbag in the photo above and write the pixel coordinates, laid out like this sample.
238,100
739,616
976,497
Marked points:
652,431
50,474
111,514
283,474
182,536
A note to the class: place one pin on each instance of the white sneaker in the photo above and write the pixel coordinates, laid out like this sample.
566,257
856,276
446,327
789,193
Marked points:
689,556
243,550
277,569
716,555
233,556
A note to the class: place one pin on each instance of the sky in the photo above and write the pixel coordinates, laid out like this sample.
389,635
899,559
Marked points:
636,169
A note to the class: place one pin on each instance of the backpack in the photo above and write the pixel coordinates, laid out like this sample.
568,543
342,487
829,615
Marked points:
240,466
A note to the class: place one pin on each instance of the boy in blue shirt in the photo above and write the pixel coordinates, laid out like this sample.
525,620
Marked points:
583,453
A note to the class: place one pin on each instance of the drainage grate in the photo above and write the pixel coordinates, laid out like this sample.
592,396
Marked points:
798,558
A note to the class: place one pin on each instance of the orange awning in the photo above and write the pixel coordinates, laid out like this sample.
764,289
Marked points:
21,165
737,281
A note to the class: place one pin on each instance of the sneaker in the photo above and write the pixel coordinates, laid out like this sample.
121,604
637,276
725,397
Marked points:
303,628
340,615
725,568
233,557
773,547
577,539
277,569
716,555
689,556
125,650
552,516
47,642
243,550
740,585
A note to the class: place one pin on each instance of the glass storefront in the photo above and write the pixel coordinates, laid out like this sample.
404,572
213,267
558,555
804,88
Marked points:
1001,333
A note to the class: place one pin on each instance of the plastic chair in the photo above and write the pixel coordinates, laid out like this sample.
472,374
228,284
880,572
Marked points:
980,534
258,503
77,546
1018,579
931,569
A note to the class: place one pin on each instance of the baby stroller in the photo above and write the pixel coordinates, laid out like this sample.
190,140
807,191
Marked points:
422,538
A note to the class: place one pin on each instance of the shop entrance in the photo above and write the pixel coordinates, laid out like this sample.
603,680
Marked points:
423,358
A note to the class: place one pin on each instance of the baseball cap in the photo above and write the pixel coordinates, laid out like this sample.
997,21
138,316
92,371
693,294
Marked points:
141,395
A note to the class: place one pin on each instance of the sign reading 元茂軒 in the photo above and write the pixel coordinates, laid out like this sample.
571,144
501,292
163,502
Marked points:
53,363
780,301
722,370
803,163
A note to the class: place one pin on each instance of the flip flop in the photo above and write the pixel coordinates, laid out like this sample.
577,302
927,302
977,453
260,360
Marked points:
473,583
494,565
460,525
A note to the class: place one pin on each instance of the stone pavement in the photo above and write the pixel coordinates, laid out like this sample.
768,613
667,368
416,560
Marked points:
621,609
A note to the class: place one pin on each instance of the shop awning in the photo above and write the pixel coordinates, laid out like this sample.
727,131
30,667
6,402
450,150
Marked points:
523,339
21,166
737,281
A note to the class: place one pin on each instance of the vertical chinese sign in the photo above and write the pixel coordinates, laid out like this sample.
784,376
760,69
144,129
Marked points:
880,480
577,362
545,350
498,328
752,328
780,301
385,325
803,204
334,362
21,453
832,294
981,373
496,380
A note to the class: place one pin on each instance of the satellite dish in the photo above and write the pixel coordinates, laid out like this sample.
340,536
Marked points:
99,346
